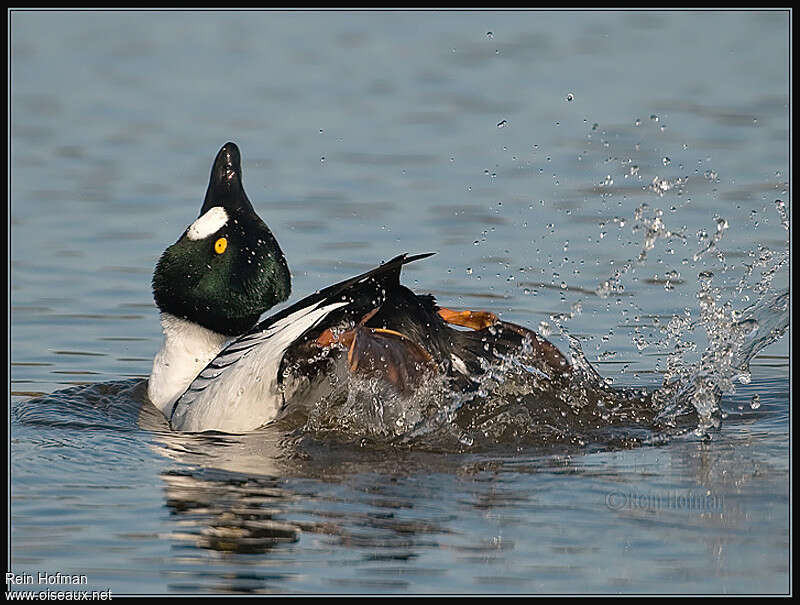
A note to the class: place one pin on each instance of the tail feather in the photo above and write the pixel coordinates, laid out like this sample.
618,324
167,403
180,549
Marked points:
388,272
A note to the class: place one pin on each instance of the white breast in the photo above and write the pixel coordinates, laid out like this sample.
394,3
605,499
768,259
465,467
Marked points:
186,350
238,391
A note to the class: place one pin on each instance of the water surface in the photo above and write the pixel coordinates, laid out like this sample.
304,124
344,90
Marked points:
522,147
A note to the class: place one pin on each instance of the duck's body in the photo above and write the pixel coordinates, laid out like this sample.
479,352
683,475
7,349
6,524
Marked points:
369,324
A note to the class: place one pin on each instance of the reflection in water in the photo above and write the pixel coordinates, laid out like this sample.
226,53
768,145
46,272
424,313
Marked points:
228,514
241,495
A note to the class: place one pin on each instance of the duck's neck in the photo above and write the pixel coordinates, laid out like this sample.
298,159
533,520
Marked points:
186,350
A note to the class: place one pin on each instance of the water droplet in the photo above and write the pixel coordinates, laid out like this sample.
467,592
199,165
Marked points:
780,206
666,161
322,159
489,35
755,402
570,96
748,326
502,123
544,328
654,117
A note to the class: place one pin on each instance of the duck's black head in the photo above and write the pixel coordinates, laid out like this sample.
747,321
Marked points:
227,268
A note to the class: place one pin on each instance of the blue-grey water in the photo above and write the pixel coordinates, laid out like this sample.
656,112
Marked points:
522,147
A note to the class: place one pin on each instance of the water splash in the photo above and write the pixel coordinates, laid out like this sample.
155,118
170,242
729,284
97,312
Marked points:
513,402
710,243
653,228
734,339
733,336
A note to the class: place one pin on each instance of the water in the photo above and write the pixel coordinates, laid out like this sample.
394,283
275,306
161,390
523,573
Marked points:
609,179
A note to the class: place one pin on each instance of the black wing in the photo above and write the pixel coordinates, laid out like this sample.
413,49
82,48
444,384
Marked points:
370,288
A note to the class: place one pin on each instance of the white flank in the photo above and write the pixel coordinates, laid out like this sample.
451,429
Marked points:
244,394
211,222
186,350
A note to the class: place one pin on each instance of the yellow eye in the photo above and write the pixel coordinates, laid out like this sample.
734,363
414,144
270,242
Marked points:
220,245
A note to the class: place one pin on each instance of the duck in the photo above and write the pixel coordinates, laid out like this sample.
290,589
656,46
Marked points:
221,368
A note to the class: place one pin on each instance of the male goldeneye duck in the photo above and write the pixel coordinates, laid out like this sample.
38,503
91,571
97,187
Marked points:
218,370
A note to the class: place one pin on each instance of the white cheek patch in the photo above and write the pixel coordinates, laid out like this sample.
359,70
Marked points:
211,222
